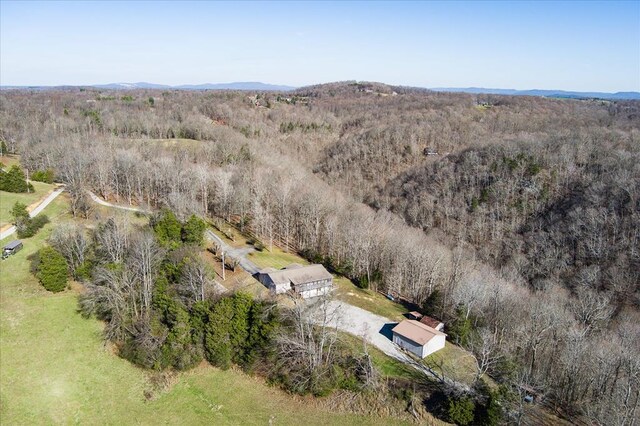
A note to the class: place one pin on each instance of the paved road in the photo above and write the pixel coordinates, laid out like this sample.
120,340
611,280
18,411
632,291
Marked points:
34,212
100,201
236,253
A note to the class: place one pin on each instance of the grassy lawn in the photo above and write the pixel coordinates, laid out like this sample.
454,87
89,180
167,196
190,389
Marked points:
239,239
9,160
275,258
389,367
368,300
8,199
344,289
453,362
55,368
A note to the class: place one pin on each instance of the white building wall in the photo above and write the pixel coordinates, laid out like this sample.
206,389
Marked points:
315,292
434,345
407,344
282,287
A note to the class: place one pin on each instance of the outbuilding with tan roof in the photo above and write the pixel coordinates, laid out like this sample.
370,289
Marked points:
418,338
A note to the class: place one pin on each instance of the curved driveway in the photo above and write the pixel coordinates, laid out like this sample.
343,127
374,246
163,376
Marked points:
33,213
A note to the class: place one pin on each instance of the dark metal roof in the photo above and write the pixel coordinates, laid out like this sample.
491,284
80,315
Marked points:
13,244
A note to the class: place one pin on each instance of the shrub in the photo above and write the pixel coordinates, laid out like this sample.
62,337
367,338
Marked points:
461,410
29,227
363,282
46,176
52,269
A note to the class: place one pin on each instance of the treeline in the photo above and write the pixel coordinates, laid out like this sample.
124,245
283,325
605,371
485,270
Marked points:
557,211
165,310
578,346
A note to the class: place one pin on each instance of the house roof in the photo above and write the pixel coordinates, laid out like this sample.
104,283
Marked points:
431,322
415,314
308,274
298,274
293,266
13,244
416,331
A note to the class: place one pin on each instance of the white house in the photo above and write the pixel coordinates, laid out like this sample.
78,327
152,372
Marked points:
418,338
307,281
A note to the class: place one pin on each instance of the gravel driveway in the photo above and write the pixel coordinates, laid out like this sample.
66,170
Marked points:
359,322
374,328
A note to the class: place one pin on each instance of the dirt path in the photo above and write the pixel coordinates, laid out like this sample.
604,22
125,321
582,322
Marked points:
33,213
102,202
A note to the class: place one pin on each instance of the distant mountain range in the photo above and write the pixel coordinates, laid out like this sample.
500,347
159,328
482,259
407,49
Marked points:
257,87
243,85
545,93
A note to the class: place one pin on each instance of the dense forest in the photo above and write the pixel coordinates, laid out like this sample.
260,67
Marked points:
514,219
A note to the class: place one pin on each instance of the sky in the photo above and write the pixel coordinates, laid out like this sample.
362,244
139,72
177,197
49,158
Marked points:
581,46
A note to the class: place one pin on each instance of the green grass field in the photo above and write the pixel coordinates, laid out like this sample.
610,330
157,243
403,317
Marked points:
389,367
275,258
56,369
368,300
9,160
239,240
8,199
455,363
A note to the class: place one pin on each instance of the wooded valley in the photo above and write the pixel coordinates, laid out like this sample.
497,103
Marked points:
516,220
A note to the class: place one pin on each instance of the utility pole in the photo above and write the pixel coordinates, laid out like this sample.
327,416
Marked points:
223,266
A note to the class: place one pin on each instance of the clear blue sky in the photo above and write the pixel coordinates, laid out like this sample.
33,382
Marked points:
517,45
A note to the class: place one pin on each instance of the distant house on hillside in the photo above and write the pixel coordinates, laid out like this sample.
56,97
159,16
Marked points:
418,338
307,281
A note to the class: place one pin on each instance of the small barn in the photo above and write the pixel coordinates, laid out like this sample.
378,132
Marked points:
306,281
432,322
418,338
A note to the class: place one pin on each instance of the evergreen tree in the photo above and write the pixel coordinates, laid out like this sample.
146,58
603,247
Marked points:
461,328
193,230
461,410
14,180
217,340
52,269
19,213
167,228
